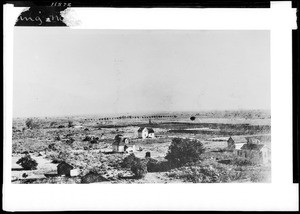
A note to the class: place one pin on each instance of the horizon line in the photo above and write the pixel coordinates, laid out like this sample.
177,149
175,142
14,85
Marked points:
139,113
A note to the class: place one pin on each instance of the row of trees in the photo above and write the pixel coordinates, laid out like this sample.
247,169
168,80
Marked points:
138,117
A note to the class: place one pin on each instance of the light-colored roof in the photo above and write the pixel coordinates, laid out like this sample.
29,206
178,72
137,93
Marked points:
238,146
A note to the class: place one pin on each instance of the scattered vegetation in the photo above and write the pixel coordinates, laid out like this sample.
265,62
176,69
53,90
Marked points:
70,124
31,124
27,163
92,177
171,157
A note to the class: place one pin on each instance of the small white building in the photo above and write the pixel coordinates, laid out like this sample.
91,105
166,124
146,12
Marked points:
74,172
145,132
122,144
256,152
250,148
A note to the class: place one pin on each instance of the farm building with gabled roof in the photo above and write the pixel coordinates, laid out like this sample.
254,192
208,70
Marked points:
121,144
64,169
249,147
256,152
144,132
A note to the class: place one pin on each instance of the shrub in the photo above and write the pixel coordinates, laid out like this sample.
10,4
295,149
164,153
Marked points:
92,177
129,161
91,139
58,157
197,174
70,124
154,165
240,161
139,168
87,138
52,124
27,163
94,140
31,124
182,151
57,138
70,140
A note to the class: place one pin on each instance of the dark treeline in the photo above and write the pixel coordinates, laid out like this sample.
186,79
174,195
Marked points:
138,117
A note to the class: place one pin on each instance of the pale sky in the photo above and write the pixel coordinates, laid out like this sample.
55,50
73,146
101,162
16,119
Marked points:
59,71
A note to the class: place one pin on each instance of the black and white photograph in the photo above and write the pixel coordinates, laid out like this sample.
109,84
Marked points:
136,106
116,107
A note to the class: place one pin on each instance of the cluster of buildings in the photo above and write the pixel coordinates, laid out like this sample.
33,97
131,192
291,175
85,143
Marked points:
120,144
123,144
250,148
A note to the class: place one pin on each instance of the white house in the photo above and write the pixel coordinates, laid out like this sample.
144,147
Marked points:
256,152
122,144
144,132
249,148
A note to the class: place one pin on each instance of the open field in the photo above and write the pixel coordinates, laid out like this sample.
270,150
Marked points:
65,139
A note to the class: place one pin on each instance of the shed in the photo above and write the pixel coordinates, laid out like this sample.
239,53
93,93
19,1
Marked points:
64,169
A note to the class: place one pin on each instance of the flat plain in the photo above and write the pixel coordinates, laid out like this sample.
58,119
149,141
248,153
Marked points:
85,142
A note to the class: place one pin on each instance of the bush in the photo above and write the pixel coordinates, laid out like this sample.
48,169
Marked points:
139,168
58,157
94,140
57,138
182,151
154,165
31,124
240,161
137,165
129,161
70,140
91,139
87,138
70,124
27,163
198,174
92,177
52,124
